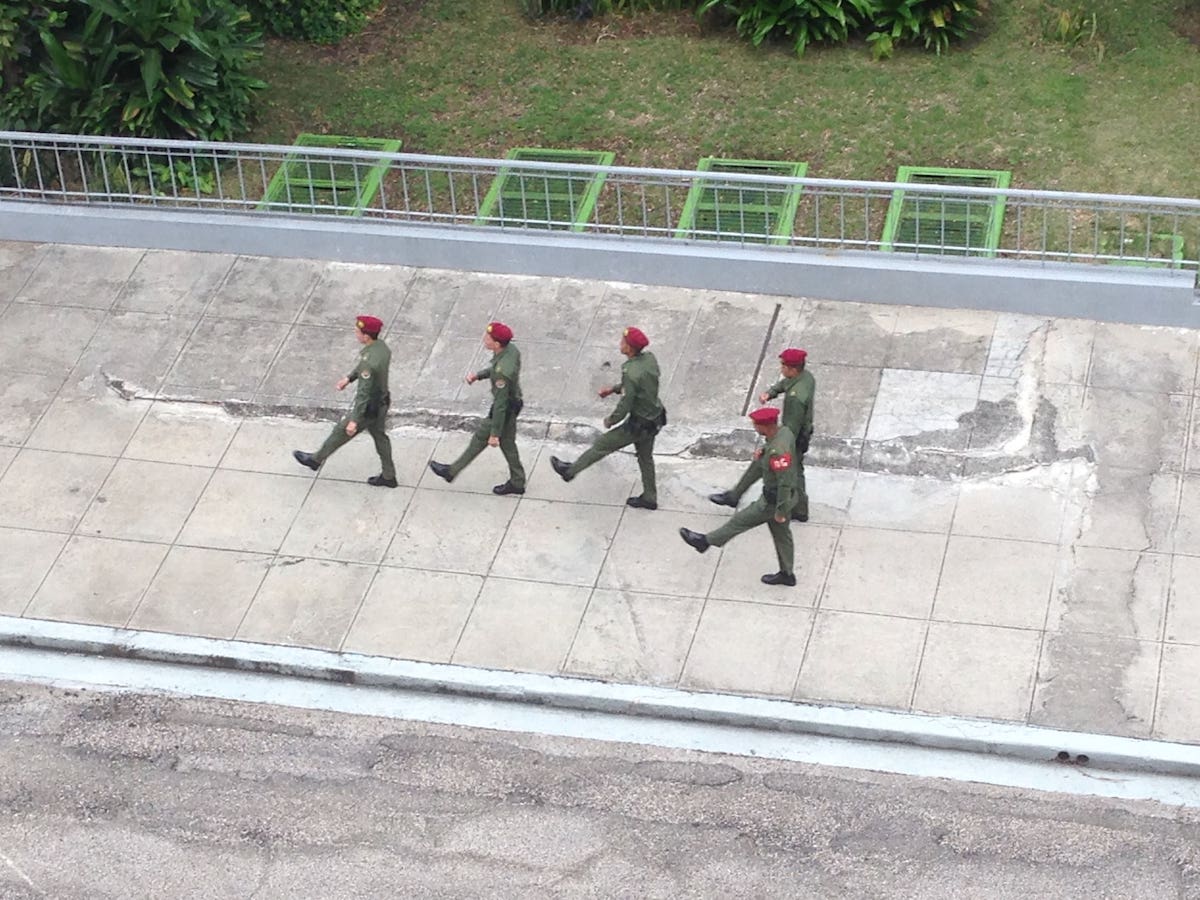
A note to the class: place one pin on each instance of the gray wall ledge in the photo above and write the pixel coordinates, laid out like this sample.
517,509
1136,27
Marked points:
1133,294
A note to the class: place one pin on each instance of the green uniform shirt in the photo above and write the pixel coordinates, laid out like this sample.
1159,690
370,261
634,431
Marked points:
638,390
797,393
505,373
779,468
371,373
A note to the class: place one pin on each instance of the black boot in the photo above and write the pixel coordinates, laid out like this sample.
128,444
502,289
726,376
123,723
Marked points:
441,470
380,481
562,467
786,579
507,488
306,459
640,502
724,498
694,539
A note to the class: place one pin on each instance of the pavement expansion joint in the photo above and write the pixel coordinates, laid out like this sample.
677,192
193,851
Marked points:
943,454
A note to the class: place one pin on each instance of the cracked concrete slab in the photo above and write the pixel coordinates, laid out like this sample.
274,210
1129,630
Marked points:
836,670
852,334
173,283
17,260
1097,682
923,404
345,291
24,399
264,290
941,340
84,277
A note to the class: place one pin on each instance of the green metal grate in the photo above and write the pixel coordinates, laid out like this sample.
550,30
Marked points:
531,199
1158,250
346,186
718,210
959,226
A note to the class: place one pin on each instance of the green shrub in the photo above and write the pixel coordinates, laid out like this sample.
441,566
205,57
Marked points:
934,23
1076,28
21,22
322,21
803,22
1072,27
150,68
886,23
15,33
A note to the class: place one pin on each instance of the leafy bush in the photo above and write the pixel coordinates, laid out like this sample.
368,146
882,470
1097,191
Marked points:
14,40
935,23
20,24
1076,29
322,21
1070,26
151,68
803,22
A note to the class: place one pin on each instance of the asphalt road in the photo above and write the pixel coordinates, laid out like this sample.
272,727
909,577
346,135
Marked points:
131,796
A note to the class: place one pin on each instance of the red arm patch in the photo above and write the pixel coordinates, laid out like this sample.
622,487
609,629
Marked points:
781,462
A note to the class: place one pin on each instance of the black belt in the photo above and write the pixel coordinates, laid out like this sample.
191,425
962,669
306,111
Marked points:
638,425
514,408
376,406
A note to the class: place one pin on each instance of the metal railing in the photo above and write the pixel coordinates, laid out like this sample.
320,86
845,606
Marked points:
632,202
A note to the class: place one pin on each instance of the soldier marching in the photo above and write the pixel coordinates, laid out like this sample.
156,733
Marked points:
499,428
777,468
637,419
371,402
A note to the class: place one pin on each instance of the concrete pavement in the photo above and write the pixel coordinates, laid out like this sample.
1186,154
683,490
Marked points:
1005,520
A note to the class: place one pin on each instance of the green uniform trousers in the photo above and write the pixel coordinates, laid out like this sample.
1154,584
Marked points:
376,427
615,439
760,512
508,446
753,473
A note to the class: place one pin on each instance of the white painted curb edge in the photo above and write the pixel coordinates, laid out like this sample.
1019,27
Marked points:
1023,742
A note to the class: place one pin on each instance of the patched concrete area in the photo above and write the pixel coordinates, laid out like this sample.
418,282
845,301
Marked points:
1005,508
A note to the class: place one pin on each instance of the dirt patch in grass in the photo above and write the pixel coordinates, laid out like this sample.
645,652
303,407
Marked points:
1187,23
642,25
388,29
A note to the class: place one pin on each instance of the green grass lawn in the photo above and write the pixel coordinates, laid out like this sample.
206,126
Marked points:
473,78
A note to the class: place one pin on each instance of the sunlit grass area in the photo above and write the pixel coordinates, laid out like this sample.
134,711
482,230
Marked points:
1115,111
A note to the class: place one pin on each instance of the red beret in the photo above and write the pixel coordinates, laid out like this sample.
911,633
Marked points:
793,357
500,332
369,325
636,338
767,415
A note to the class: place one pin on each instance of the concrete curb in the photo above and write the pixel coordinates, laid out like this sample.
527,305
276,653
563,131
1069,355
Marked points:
1023,742
1135,294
